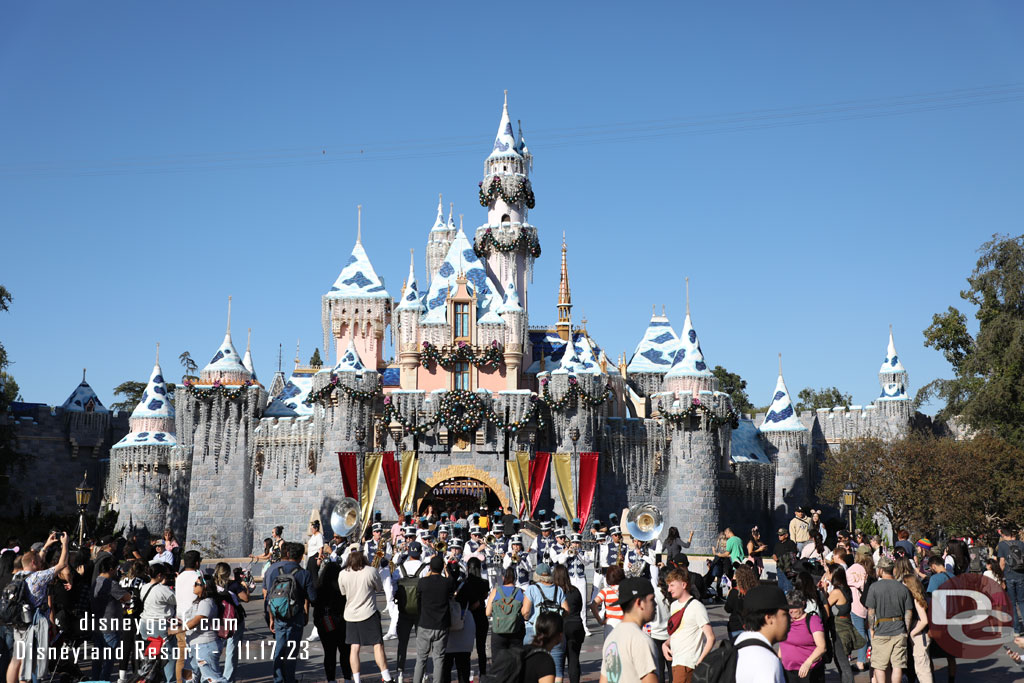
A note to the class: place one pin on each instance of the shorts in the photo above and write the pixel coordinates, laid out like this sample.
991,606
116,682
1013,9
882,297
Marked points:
889,651
365,632
682,674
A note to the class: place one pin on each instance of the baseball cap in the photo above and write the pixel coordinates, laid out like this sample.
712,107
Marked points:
631,589
885,563
765,598
415,548
107,540
543,569
781,531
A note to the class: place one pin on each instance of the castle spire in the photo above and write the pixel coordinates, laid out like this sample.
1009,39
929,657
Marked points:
451,215
359,223
782,415
439,223
229,314
247,358
564,325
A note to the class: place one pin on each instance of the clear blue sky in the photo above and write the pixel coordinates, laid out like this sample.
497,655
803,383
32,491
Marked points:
818,171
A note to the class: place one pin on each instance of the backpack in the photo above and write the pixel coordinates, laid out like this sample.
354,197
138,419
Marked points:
548,605
407,597
720,665
509,666
16,609
227,611
1015,557
283,598
506,612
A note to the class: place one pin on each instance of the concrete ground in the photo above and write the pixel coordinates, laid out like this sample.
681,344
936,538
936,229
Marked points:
258,669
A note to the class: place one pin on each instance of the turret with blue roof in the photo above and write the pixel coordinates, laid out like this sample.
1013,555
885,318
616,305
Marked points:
787,446
226,365
83,400
689,371
781,416
461,259
357,307
894,401
247,358
152,421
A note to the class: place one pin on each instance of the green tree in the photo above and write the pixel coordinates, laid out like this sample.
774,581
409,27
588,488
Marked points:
191,367
830,397
315,361
987,390
132,393
736,387
8,393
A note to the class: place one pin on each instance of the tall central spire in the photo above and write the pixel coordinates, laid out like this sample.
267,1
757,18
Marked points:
564,299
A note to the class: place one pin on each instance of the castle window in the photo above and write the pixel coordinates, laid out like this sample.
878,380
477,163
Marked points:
506,218
461,376
462,321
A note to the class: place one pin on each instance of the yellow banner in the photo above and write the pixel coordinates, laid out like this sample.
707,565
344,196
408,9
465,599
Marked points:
371,479
516,482
410,476
562,466
523,458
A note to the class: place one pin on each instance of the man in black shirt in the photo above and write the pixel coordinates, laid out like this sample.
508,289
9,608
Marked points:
434,591
783,554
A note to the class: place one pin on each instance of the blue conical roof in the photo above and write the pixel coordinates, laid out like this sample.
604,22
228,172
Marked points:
461,258
226,359
350,360
358,279
505,140
81,398
657,349
689,360
782,415
410,295
155,402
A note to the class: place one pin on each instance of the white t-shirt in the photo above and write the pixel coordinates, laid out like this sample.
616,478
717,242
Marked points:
184,593
755,664
314,544
158,602
688,641
628,654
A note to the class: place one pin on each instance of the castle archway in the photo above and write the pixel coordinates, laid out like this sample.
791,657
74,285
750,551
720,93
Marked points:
463,485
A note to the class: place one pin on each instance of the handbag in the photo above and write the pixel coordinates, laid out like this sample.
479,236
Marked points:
154,646
458,623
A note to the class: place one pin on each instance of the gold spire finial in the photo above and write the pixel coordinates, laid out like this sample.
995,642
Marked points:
229,314
297,341
564,298
359,223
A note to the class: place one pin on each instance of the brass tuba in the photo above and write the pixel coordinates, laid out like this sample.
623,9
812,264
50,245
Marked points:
345,517
644,521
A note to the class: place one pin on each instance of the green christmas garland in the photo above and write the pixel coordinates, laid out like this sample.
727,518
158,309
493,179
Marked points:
574,393
523,192
492,356
489,241
462,412
323,394
699,410
217,390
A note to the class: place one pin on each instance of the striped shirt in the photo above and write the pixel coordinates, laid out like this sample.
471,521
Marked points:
606,596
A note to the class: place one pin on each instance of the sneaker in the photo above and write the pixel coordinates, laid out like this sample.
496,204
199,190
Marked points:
401,677
313,637
390,636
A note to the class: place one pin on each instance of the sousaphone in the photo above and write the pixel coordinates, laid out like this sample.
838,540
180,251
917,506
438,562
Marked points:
645,522
345,517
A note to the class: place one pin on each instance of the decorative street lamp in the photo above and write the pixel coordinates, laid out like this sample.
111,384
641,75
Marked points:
850,502
574,434
83,494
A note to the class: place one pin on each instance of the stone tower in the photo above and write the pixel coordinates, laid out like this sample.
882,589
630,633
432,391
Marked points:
788,449
697,446
893,402
507,240
216,419
139,481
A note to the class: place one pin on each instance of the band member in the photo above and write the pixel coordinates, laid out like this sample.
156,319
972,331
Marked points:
500,539
427,541
544,542
454,559
557,553
520,560
475,545
639,560
576,560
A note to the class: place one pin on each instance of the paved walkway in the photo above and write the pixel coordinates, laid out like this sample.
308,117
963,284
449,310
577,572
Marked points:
996,669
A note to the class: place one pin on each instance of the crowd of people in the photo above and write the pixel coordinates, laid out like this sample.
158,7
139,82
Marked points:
473,596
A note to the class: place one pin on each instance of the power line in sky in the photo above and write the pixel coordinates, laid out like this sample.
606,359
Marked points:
551,138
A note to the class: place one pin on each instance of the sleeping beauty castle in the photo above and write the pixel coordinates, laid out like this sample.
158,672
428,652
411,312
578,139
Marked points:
479,406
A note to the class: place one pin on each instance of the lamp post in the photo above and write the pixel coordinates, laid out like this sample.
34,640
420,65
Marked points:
574,434
83,494
850,502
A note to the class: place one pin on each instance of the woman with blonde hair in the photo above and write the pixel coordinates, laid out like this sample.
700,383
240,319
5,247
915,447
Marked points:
918,640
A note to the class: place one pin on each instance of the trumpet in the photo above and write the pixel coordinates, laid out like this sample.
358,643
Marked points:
515,559
440,547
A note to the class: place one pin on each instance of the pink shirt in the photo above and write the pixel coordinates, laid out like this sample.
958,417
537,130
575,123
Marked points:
855,576
799,644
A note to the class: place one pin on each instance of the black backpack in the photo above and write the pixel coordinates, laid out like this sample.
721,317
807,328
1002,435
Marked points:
509,666
720,665
16,609
1015,557
548,605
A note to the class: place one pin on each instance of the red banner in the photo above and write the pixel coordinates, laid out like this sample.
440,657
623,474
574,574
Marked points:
393,478
539,467
349,463
587,486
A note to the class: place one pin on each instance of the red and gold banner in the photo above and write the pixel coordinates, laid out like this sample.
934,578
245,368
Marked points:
538,476
393,479
518,467
587,485
410,476
349,463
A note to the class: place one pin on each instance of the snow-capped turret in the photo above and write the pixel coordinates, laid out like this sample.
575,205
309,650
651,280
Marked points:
83,400
350,361
247,358
440,238
782,415
657,349
787,440
894,401
505,144
226,365
358,307
689,371
152,421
